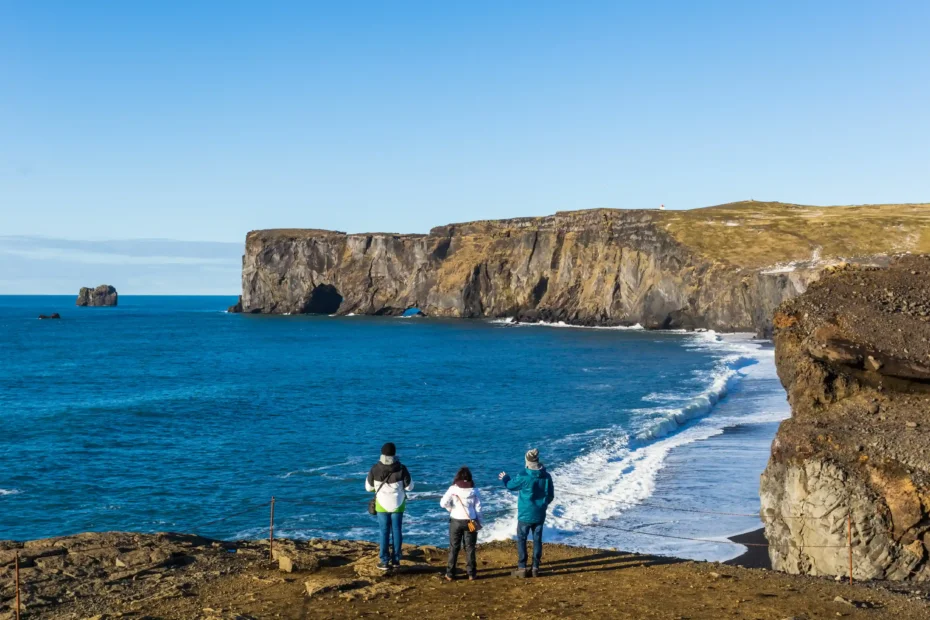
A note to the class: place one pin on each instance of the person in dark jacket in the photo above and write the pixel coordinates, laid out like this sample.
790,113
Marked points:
536,493
389,481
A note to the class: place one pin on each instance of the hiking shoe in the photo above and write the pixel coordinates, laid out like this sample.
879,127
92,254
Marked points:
520,573
383,566
395,563
535,572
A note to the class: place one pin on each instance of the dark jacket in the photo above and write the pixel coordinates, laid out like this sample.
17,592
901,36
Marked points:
536,493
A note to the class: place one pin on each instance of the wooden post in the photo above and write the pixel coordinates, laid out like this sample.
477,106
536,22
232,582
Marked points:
849,543
17,584
271,531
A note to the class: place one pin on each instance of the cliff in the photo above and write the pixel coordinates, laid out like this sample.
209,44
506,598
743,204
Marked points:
853,353
103,295
724,268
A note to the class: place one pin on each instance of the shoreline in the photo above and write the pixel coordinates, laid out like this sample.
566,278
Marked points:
753,557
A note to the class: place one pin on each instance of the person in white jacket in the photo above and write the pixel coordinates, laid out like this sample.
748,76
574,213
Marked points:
463,501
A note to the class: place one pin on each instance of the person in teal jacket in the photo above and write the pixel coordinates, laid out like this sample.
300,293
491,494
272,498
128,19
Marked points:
536,493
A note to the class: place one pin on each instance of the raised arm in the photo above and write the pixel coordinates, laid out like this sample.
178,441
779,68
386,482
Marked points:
514,484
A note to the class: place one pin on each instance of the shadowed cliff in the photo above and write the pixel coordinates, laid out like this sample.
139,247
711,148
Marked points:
725,267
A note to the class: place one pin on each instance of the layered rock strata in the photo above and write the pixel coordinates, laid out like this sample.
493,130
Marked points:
853,353
724,268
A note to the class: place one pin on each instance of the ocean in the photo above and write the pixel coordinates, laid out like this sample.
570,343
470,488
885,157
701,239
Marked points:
168,414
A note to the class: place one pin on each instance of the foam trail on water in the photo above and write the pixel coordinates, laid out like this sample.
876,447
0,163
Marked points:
312,470
9,492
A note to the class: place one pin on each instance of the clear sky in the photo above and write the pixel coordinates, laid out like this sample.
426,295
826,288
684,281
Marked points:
203,120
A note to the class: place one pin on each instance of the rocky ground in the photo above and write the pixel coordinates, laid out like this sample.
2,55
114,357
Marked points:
118,575
854,355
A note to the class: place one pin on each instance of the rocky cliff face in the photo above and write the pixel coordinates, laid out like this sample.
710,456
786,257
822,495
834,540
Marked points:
690,269
103,295
853,353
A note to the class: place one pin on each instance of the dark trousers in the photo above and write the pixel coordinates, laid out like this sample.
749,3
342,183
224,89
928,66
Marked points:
459,534
524,530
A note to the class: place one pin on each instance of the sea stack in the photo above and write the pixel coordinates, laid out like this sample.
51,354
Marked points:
852,464
103,295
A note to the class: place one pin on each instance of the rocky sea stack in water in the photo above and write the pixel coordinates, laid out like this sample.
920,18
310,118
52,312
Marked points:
724,268
103,295
853,353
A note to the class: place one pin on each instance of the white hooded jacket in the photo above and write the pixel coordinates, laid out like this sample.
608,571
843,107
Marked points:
462,503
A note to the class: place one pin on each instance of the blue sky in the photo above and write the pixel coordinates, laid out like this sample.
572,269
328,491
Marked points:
203,120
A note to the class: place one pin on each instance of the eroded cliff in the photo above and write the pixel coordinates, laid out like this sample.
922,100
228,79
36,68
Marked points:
724,268
853,353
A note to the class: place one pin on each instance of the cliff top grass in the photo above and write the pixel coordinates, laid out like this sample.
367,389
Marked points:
758,234
750,234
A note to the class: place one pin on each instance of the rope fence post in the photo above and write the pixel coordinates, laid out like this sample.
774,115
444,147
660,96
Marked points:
849,544
16,569
271,531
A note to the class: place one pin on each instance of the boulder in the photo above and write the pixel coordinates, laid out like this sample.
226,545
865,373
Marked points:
236,308
103,295
53,315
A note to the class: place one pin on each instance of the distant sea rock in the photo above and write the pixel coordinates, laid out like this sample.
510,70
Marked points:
103,295
53,315
235,308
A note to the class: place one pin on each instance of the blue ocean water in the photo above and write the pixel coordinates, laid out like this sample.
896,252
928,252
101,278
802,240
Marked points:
166,413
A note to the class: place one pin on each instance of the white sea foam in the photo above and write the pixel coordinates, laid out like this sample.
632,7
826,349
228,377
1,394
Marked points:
619,470
511,321
4,492
312,470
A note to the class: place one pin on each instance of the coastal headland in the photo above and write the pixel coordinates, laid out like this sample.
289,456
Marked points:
725,268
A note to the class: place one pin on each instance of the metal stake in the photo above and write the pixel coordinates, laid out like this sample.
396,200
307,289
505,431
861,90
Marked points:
849,543
271,530
17,585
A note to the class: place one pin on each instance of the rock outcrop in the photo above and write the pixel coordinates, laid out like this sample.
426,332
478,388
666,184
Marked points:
853,353
103,295
724,268
53,315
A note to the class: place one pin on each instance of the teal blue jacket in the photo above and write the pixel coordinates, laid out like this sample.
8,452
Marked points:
536,493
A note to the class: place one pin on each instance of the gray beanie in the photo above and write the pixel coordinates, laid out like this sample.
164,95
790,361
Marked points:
532,459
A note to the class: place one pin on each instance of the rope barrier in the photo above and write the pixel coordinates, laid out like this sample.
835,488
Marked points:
235,514
707,540
677,509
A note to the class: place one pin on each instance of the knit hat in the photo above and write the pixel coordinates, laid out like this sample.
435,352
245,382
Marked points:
532,459
389,449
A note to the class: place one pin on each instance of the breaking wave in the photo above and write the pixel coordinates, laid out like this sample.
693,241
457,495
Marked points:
620,466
